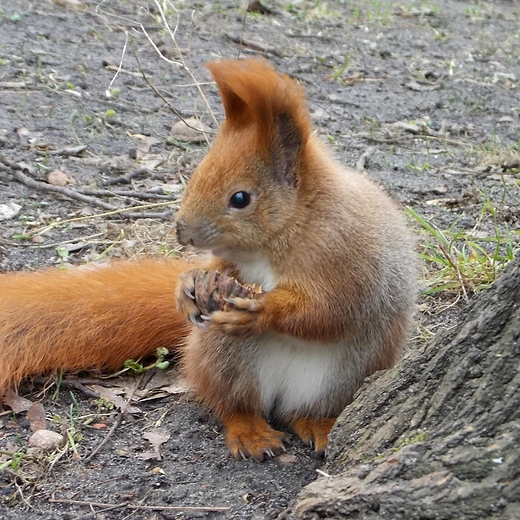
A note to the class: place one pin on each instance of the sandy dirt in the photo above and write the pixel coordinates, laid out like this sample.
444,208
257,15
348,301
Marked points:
423,94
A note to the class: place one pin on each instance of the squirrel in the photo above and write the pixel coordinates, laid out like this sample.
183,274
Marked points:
328,248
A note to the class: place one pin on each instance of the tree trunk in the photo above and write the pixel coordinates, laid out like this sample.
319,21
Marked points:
438,436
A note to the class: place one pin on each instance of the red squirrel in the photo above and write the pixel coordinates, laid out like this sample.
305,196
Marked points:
329,249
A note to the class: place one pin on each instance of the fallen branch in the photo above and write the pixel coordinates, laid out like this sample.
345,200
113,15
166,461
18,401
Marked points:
94,514
257,46
360,165
126,505
68,151
126,193
127,177
16,170
17,173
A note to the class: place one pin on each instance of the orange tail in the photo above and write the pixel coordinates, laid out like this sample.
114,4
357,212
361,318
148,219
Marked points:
89,317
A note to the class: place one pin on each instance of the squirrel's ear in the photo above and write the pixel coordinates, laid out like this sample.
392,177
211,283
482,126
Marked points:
290,143
235,107
227,74
253,93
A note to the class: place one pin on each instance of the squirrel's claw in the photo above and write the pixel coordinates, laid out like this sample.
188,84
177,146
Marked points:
189,293
249,435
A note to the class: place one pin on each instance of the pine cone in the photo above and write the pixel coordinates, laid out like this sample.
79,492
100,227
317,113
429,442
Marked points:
212,289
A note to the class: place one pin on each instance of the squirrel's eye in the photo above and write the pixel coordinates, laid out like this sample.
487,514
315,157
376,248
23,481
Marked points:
240,199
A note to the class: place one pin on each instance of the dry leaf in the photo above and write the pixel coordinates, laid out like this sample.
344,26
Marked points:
16,403
156,437
59,178
36,417
148,455
162,384
144,145
151,161
109,395
122,452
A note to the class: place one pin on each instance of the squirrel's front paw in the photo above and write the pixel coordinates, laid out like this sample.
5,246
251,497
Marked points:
202,295
240,317
189,293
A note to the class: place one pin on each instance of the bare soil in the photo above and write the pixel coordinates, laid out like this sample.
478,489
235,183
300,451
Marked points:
427,92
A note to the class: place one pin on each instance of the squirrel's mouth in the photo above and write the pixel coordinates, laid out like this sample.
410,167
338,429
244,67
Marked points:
219,252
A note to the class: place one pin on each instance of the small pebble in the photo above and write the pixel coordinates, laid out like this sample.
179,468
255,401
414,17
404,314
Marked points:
46,440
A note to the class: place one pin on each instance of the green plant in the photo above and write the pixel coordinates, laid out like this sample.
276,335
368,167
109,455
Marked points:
160,363
341,69
456,263
14,461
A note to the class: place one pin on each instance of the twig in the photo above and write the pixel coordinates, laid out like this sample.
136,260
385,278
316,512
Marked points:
68,151
463,172
17,173
119,418
112,213
126,505
20,492
164,214
170,106
127,177
402,139
78,383
322,37
108,94
113,68
360,165
94,514
186,68
257,46
457,270
79,240
127,193
80,387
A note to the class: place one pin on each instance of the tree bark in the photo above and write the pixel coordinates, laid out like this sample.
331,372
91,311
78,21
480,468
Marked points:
438,436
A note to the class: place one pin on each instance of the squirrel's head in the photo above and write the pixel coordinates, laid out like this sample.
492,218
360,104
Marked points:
245,192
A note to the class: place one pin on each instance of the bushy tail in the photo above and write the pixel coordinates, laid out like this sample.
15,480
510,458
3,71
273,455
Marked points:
87,317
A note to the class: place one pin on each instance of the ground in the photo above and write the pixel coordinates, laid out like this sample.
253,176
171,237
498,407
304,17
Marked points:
423,94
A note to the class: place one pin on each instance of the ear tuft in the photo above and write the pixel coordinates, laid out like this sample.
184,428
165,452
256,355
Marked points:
253,93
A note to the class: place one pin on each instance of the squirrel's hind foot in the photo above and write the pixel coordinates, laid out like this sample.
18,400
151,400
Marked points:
314,432
249,435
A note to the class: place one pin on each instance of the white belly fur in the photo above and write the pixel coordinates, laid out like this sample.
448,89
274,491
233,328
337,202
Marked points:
293,374
256,270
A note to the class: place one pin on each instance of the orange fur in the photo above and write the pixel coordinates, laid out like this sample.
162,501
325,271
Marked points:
87,317
253,93
329,248
314,431
250,434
